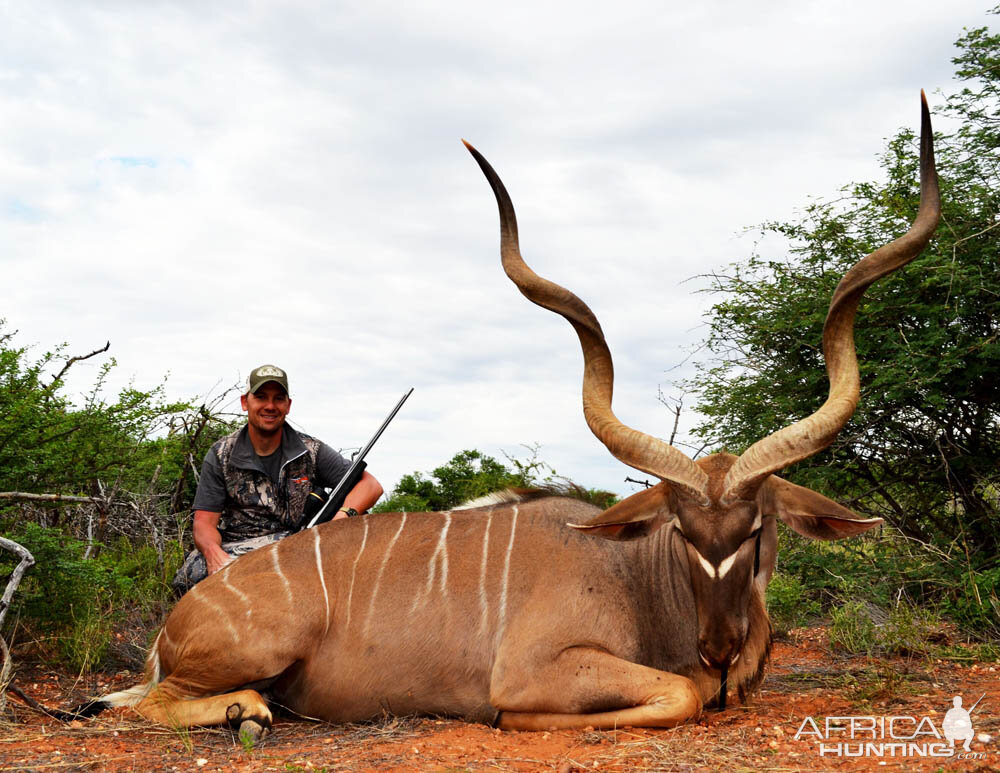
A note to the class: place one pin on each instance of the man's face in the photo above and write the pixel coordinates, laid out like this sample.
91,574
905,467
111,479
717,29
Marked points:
267,408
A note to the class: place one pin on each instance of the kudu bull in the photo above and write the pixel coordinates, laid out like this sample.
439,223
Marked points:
539,612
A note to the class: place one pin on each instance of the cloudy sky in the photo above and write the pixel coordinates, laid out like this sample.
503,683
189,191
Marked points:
213,185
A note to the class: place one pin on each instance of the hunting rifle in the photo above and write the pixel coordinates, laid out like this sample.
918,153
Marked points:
336,499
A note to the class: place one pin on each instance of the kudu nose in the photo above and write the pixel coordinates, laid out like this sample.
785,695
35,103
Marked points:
720,652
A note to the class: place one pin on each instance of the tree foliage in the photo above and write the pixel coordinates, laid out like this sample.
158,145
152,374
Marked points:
923,449
471,474
48,444
468,475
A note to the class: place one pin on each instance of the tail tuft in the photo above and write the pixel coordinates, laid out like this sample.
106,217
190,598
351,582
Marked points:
86,710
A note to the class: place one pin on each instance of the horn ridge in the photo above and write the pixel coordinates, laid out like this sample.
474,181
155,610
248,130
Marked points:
812,434
636,449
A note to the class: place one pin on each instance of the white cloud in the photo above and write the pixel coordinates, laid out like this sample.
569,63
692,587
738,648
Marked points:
216,185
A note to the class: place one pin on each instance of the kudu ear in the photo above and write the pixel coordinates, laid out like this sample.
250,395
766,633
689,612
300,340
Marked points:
636,516
810,514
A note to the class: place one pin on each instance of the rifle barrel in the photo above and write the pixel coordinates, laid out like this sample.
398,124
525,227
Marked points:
358,459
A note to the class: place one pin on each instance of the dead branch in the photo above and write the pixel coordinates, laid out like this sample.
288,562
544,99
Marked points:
62,716
22,495
4,674
71,360
674,408
27,560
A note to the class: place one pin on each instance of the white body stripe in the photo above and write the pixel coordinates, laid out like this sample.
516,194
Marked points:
506,575
484,604
221,614
438,557
322,579
354,571
240,594
381,570
441,556
281,574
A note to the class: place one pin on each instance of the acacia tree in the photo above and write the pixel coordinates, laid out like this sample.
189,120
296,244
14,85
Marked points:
138,442
923,449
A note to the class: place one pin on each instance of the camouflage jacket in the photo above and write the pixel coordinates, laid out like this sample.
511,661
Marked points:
254,504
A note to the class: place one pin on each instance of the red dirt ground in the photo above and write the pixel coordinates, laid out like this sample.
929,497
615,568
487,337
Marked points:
805,680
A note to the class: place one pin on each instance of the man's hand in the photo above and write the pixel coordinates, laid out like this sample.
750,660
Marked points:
208,540
363,496
216,561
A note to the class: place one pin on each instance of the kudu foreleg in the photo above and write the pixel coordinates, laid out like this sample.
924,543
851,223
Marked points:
585,687
167,705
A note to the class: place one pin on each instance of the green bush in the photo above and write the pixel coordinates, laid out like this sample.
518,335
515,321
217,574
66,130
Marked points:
73,603
910,630
788,604
84,642
973,601
852,628
858,627
889,573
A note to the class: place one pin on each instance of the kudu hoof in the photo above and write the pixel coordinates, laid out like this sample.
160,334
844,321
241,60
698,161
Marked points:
251,731
250,728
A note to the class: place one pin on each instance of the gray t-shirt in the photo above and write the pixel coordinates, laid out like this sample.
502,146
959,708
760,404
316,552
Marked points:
211,494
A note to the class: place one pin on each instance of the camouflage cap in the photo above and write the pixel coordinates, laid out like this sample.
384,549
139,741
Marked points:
260,376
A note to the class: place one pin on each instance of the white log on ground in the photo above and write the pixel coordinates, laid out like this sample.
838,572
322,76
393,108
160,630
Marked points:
27,560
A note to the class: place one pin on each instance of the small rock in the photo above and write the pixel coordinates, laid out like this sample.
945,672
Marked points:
984,737
201,762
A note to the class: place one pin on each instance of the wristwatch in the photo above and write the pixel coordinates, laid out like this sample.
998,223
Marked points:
351,512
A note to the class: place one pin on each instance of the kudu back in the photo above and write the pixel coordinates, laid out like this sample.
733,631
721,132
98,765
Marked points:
538,611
